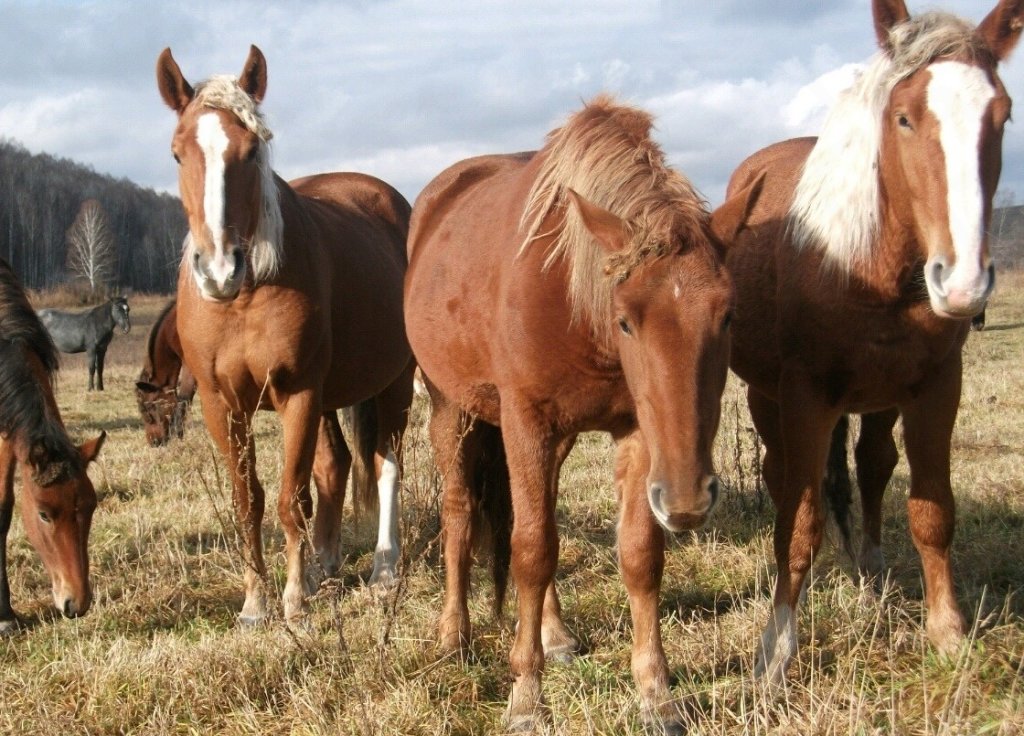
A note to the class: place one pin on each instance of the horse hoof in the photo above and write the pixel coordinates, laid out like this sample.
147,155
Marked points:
562,654
383,579
249,621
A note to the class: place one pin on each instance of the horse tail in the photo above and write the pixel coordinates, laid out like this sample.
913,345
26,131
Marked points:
363,422
836,487
494,501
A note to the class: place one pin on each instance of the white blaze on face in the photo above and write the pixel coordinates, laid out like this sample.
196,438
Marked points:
213,142
958,96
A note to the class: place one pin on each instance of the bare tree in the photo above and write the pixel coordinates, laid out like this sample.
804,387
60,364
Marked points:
91,247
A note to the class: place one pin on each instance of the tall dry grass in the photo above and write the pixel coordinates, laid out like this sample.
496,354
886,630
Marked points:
160,652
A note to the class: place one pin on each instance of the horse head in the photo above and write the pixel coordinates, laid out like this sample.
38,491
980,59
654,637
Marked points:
941,141
120,310
57,507
161,414
671,307
227,187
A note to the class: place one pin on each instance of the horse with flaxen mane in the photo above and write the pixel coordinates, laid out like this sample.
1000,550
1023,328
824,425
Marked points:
58,498
550,293
856,278
166,386
289,298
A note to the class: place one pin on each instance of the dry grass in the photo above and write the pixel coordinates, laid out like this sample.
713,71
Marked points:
160,652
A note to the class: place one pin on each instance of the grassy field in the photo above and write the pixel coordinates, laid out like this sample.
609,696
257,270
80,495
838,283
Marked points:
160,652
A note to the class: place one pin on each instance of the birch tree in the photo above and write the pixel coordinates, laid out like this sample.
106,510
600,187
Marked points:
91,248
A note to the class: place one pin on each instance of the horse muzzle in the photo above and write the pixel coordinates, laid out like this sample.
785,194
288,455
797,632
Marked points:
682,514
219,277
958,292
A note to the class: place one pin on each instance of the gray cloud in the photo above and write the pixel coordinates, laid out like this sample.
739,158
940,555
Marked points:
401,89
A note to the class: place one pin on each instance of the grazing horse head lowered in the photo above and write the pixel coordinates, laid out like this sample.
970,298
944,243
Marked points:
58,499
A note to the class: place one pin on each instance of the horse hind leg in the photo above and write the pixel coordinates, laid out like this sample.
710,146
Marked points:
8,620
559,643
392,417
331,465
456,442
876,457
92,369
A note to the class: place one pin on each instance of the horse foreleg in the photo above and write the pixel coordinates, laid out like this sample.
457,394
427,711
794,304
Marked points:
803,427
642,562
8,621
392,417
331,464
876,457
101,355
299,417
530,450
927,429
231,432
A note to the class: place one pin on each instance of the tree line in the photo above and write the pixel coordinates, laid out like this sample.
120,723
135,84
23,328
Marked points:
41,197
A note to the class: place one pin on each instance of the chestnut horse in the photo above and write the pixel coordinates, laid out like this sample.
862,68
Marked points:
166,386
572,289
289,298
57,498
856,278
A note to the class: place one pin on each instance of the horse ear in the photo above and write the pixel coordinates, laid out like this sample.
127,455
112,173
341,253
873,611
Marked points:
602,224
90,450
1001,29
887,13
253,78
728,220
175,90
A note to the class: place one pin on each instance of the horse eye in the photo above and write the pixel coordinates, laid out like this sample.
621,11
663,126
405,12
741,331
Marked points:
176,159
904,122
45,517
251,156
624,326
727,320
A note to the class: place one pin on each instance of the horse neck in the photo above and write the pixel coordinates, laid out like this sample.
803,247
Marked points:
32,415
895,258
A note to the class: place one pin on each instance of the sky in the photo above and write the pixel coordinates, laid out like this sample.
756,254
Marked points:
403,88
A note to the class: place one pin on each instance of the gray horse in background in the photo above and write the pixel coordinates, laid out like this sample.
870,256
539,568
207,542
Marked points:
88,332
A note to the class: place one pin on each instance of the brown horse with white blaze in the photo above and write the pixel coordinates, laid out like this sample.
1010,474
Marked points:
856,278
57,497
572,289
289,298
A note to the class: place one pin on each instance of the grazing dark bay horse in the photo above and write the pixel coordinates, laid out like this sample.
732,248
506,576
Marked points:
57,497
88,332
572,289
856,278
289,298
166,386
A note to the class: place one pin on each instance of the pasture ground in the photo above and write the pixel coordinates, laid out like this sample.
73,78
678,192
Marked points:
160,652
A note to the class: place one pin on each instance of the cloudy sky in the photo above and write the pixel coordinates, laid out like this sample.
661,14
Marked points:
402,88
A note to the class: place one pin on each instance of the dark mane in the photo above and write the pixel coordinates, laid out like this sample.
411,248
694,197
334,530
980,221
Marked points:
25,412
147,369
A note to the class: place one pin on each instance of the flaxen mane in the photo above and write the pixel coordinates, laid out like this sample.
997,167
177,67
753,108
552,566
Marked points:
836,204
605,153
25,414
222,92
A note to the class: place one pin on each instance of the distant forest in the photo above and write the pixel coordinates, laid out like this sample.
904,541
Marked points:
40,196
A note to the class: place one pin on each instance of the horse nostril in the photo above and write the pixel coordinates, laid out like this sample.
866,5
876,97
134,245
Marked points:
69,608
